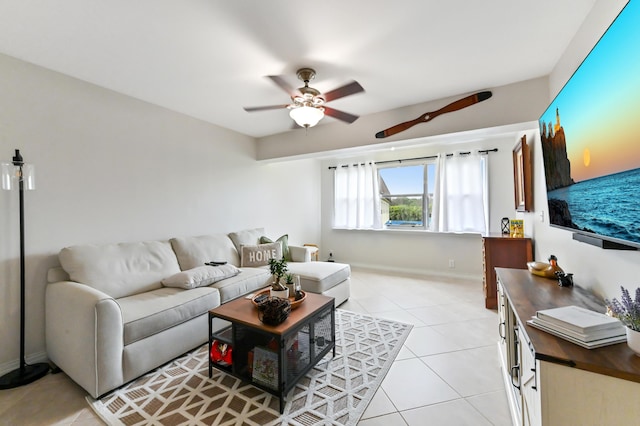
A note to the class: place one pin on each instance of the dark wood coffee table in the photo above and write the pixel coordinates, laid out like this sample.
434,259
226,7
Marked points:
274,358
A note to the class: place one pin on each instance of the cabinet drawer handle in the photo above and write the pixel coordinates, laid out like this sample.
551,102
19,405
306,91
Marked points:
517,370
501,330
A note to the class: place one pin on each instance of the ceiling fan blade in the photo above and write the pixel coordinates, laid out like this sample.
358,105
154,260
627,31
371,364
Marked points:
281,82
428,116
265,108
340,115
346,90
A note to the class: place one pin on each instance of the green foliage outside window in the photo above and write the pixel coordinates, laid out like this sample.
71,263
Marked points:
405,213
405,209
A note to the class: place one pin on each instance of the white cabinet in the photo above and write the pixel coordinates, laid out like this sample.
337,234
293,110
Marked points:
529,384
508,349
550,381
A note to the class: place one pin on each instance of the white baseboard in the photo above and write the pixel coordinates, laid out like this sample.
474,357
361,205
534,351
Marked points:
9,366
417,272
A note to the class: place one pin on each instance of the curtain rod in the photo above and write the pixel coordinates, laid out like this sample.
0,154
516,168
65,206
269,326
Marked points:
431,157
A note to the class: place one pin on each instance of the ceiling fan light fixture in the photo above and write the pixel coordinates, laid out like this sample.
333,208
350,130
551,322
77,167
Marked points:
306,116
307,103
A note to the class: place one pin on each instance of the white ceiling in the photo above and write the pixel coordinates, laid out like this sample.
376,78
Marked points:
207,58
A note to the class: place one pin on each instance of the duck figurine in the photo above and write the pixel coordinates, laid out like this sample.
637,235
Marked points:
547,270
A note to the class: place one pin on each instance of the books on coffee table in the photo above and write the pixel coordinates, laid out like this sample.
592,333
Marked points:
581,326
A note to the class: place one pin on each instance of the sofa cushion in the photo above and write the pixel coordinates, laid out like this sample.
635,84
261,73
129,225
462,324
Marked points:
318,277
200,276
120,270
249,281
302,254
254,256
195,251
285,245
248,237
149,313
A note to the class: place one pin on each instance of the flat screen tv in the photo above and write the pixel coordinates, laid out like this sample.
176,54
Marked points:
591,141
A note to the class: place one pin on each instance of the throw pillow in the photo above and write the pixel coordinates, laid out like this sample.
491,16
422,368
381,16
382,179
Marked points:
259,255
285,245
248,237
200,276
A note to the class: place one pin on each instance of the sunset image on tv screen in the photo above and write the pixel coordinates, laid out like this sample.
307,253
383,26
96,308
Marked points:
591,138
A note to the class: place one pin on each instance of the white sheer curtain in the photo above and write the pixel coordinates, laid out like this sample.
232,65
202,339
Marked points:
356,197
461,194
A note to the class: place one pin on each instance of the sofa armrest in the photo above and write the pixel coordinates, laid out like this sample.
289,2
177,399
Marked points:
302,254
85,335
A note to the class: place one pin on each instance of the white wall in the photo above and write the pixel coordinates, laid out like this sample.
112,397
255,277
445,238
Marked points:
112,169
604,271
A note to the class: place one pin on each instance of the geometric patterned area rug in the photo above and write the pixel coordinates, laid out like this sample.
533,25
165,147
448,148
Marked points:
335,392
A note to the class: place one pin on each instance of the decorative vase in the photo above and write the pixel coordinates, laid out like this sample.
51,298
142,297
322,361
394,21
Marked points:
282,294
633,340
291,288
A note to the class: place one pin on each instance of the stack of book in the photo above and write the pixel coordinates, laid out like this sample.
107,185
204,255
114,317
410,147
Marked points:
581,326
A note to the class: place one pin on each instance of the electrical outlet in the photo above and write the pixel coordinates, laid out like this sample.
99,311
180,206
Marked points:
452,263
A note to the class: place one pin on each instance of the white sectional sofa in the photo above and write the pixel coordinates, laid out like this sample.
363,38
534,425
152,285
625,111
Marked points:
117,311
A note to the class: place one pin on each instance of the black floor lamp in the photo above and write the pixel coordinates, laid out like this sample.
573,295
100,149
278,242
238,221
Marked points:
22,173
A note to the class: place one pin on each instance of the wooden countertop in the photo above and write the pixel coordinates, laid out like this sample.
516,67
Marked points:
528,293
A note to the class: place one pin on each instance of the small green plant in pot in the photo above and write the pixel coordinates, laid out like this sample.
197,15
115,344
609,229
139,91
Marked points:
288,280
278,269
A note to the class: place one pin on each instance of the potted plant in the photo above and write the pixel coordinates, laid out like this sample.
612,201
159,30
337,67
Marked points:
289,281
627,311
278,269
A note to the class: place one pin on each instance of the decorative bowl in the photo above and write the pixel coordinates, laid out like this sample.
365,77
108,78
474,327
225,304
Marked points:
294,303
541,269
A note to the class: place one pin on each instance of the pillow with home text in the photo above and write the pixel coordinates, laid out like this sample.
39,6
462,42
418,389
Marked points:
259,255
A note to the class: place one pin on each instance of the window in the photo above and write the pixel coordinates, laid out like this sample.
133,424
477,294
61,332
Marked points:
446,193
406,195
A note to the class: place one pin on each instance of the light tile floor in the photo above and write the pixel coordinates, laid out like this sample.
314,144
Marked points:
446,374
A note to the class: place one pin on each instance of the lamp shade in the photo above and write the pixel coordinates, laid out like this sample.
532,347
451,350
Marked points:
11,176
306,116
8,173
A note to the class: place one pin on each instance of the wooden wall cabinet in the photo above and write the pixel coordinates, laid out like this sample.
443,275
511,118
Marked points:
550,381
506,252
